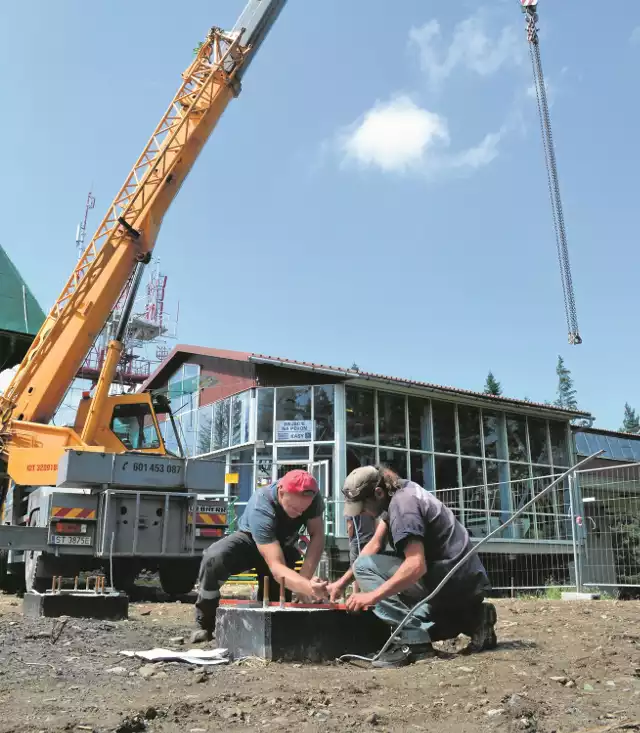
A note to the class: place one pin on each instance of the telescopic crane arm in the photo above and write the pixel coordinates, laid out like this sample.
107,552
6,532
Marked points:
128,232
530,9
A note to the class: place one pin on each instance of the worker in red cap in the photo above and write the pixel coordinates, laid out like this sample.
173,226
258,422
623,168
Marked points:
266,540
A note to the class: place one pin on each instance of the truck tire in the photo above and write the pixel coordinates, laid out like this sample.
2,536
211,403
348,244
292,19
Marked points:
8,582
124,575
34,579
178,578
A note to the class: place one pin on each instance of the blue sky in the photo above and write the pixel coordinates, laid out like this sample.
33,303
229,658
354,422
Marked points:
376,194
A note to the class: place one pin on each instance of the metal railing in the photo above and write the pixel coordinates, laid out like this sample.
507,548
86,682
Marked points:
609,529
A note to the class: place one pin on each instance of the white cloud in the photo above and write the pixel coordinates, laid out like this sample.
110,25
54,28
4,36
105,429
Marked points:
472,47
394,136
401,137
635,36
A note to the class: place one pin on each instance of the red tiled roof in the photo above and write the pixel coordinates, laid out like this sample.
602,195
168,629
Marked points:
349,374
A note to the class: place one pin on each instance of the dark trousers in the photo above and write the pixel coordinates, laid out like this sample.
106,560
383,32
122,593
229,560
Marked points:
234,554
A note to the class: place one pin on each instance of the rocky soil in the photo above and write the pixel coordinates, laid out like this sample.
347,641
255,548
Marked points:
563,667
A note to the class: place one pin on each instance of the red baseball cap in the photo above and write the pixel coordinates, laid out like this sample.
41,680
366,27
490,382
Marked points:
298,482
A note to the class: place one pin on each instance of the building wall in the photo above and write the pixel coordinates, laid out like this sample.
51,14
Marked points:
273,376
227,376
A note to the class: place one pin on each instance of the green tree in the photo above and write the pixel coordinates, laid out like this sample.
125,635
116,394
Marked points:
566,392
631,422
355,367
492,386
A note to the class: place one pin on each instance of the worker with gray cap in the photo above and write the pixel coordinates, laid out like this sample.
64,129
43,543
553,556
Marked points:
427,541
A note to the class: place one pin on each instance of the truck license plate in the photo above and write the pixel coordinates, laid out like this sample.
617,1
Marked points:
57,539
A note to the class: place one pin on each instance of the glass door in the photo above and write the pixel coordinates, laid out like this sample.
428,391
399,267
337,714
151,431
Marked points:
320,471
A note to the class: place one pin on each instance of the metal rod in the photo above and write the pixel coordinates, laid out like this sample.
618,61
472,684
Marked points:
113,537
265,592
282,593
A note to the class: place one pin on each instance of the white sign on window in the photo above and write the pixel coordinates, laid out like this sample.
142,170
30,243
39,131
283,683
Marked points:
294,430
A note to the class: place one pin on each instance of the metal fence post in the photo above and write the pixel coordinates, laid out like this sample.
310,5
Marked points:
577,557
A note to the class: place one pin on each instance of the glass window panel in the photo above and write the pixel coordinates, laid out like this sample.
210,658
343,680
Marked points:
188,422
625,449
205,426
240,408
498,495
538,440
559,451
419,424
492,427
603,444
265,415
190,371
582,447
447,483
545,507
391,420
293,403
421,470
264,467
358,455
396,460
323,398
220,425
592,443
360,427
635,447
242,464
444,427
293,453
521,488
475,515
469,429
517,438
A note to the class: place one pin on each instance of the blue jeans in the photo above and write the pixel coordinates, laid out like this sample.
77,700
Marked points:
371,572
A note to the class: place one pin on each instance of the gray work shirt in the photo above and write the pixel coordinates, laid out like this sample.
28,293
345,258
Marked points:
266,521
364,527
414,513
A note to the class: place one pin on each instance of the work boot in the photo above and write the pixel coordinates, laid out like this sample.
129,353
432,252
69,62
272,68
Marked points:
483,633
200,636
399,655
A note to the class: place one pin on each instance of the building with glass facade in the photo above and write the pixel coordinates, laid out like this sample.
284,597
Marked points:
262,416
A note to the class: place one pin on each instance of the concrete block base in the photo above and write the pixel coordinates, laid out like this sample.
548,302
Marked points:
572,596
114,607
297,635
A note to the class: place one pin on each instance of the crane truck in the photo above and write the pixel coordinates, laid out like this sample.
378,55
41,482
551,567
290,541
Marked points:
106,493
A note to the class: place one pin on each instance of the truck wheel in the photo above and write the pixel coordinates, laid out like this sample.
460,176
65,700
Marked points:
178,578
8,582
34,579
124,575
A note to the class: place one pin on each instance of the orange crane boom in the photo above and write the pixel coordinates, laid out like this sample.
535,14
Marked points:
128,232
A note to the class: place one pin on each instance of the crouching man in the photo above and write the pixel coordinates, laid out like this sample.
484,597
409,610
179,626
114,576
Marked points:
427,541
265,540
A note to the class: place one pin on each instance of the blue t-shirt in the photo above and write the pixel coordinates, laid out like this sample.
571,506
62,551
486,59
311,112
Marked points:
266,521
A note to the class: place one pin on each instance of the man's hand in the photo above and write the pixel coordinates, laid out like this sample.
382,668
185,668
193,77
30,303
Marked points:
358,601
335,590
318,589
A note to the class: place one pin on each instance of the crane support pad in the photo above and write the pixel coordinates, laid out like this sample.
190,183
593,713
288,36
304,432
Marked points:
112,606
297,634
24,538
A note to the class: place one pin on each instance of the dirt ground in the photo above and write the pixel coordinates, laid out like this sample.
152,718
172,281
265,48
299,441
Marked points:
559,666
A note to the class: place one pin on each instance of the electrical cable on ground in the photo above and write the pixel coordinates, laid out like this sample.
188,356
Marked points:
473,551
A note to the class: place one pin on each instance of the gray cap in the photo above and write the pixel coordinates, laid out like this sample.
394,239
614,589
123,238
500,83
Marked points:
358,485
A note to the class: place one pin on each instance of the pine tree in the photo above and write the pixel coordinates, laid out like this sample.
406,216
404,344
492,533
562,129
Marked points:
355,367
566,393
492,386
631,422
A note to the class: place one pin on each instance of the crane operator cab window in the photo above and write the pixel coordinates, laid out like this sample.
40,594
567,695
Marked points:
134,426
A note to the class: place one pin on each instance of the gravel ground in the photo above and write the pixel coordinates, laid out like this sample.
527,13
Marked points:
558,667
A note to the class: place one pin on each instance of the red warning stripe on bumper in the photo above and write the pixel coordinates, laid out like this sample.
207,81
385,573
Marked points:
65,512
